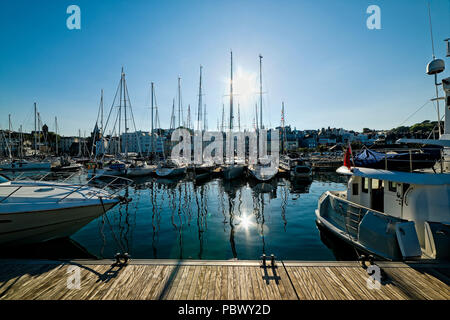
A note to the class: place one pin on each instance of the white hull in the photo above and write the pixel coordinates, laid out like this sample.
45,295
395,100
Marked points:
257,172
170,172
140,171
39,226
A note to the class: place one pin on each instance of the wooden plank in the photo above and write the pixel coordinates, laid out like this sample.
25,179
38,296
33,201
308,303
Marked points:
212,283
162,283
232,280
182,282
311,285
357,277
224,285
153,273
200,283
230,290
192,284
255,283
324,282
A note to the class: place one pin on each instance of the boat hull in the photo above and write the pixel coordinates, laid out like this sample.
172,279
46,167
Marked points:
367,230
233,172
139,172
170,172
39,226
256,173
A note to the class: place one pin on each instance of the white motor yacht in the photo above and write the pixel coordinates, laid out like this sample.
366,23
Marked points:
37,211
390,213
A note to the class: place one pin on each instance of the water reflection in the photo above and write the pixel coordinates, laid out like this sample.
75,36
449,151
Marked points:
214,219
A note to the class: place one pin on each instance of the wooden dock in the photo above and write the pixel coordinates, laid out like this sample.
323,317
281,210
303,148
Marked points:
219,280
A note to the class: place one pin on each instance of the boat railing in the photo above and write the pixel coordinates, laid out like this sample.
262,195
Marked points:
100,191
9,195
77,187
353,213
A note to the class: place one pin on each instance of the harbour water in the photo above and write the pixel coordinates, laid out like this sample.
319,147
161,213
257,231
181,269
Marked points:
217,219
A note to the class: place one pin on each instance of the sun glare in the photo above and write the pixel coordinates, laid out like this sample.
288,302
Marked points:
245,87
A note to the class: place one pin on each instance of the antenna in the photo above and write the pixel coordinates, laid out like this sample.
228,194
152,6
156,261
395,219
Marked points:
435,67
431,29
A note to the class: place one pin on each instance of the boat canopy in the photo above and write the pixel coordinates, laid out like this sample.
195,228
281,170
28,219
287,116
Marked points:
441,143
418,178
397,161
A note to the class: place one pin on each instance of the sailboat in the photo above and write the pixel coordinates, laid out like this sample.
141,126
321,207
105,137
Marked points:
204,170
235,168
23,164
122,165
261,169
393,214
297,167
142,168
172,168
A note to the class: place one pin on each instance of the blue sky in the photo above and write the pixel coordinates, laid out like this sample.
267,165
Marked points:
319,58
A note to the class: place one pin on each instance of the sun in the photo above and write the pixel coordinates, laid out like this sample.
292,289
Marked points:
245,87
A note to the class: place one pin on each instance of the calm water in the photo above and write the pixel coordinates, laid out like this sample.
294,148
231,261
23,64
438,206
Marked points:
214,220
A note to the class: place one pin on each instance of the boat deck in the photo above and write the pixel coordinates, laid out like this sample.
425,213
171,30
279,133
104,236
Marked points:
219,280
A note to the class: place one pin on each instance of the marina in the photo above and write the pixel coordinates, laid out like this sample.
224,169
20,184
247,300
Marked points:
184,218
199,173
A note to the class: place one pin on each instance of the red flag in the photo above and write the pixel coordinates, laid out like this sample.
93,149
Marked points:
347,155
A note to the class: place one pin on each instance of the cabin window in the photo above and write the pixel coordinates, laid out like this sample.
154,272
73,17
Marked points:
392,186
377,184
355,189
365,185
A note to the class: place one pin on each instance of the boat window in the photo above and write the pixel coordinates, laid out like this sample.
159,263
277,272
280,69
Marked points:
377,184
392,186
365,185
355,189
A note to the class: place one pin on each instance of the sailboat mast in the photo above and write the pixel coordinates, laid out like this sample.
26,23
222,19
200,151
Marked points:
239,117
151,117
172,117
205,120
56,136
223,118
260,92
283,130
125,114
9,128
179,102
199,109
231,92
35,129
119,149
256,116
101,113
